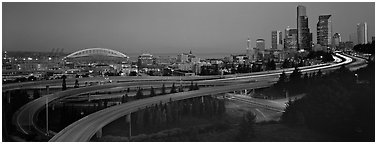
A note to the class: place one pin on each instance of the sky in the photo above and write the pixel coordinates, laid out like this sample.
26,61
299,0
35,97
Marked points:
166,27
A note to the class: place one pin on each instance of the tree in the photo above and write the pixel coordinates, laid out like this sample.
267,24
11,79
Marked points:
173,90
196,87
247,127
133,73
152,94
125,98
139,93
295,81
36,94
163,89
191,86
76,84
180,89
64,85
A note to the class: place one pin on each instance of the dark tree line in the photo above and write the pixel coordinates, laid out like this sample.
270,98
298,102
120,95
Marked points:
324,56
162,116
247,127
365,48
336,105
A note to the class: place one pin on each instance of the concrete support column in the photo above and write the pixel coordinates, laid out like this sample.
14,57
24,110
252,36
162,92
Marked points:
99,133
88,96
128,120
8,96
47,89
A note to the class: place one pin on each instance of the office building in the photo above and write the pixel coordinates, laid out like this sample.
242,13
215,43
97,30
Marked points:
324,29
250,52
260,44
362,33
276,40
290,40
303,32
336,39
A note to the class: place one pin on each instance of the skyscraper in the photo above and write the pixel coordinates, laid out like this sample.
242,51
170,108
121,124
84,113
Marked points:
290,40
324,34
260,45
276,40
362,33
250,52
303,32
336,39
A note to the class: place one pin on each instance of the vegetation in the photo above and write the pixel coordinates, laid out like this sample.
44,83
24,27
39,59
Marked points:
247,127
173,89
161,116
76,84
322,55
336,105
64,85
365,48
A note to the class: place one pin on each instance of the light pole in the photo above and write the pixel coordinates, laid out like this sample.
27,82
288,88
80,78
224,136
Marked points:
47,88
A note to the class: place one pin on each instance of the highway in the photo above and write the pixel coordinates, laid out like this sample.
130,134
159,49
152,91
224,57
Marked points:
22,119
86,127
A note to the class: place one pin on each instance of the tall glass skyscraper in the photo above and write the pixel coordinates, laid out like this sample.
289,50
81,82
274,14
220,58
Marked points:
276,40
362,33
290,40
324,30
303,32
260,45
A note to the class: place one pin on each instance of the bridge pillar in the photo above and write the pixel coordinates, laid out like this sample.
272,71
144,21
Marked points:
89,97
8,96
99,133
128,120
47,89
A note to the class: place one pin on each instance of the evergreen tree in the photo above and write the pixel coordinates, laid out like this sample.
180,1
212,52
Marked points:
36,94
64,85
247,127
76,84
173,89
180,89
125,98
163,89
319,73
191,86
196,87
152,94
139,93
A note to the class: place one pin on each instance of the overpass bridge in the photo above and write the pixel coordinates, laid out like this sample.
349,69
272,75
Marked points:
32,107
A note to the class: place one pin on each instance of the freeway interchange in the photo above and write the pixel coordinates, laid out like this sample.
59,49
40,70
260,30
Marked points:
85,128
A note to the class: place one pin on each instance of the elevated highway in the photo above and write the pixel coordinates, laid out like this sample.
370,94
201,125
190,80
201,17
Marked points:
22,120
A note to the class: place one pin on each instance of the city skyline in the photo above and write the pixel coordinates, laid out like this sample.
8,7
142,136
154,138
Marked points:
165,27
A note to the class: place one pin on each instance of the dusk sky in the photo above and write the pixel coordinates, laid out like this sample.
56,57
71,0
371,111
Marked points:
166,27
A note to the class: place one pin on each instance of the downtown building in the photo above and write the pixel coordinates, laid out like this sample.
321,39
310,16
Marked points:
362,33
290,40
250,52
303,32
276,40
260,46
336,40
324,31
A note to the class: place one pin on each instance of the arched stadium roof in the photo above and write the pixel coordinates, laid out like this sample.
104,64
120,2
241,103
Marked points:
96,51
